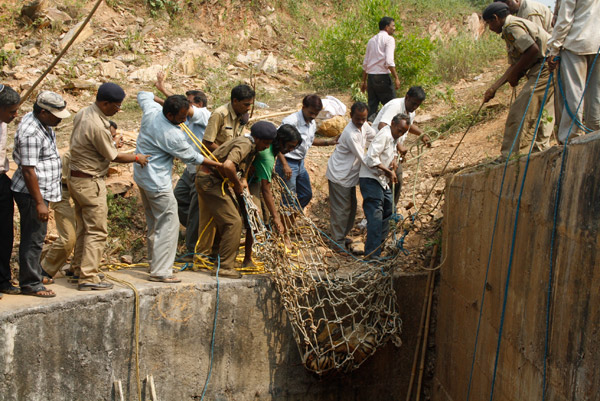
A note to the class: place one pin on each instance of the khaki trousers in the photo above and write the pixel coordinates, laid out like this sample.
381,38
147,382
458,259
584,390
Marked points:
91,209
226,220
60,250
515,115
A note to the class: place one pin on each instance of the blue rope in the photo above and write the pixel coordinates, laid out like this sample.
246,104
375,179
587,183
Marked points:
212,341
487,270
514,237
554,224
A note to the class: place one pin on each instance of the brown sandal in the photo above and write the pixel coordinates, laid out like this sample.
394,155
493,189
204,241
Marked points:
43,293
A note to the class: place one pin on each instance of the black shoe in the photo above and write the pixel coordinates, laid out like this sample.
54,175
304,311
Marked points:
10,290
103,285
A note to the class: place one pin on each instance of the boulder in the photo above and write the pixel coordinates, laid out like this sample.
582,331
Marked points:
83,36
268,64
119,186
33,10
332,127
146,74
475,25
110,69
9,47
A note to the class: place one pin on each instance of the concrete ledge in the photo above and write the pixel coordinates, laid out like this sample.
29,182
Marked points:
74,346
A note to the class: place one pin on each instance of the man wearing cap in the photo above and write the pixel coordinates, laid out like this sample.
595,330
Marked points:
35,183
378,65
526,45
92,150
162,138
531,10
9,106
236,155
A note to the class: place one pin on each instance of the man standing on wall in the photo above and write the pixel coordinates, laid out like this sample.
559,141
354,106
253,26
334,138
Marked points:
377,66
576,42
92,150
35,183
9,106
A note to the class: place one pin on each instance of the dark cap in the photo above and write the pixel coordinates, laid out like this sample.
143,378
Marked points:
110,92
497,8
53,103
264,130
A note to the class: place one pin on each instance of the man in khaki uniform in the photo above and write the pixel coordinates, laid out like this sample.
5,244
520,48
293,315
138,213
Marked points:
215,200
526,45
92,149
64,216
227,121
531,10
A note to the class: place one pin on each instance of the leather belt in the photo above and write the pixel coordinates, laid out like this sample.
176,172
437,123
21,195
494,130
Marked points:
79,174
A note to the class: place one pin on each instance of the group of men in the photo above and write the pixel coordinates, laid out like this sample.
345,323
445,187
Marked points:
207,199
567,39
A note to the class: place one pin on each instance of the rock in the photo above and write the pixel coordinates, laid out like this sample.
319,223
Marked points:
55,15
119,187
187,64
332,127
110,69
33,10
33,52
85,34
269,30
127,259
250,58
9,47
146,74
112,171
76,83
475,25
357,248
268,64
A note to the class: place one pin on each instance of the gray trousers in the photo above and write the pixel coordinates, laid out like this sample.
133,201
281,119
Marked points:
160,209
342,207
33,233
574,70
187,204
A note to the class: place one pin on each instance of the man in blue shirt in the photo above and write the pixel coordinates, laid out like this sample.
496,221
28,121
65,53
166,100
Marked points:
185,190
162,138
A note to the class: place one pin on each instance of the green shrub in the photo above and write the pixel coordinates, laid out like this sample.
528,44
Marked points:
462,56
338,51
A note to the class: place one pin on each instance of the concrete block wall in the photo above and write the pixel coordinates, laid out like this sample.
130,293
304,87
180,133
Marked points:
73,347
574,357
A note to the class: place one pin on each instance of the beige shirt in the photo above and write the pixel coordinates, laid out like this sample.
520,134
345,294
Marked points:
520,34
4,164
536,12
223,125
92,147
576,28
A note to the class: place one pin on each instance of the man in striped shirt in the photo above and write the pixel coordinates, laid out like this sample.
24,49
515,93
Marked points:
35,183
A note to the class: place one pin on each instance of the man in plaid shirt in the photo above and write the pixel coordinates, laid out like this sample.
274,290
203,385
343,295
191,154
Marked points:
36,182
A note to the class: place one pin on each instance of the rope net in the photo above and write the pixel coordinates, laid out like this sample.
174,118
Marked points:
341,308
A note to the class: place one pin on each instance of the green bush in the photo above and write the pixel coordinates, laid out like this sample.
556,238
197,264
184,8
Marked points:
338,51
462,56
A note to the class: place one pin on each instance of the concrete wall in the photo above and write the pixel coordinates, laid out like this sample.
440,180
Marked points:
574,359
74,346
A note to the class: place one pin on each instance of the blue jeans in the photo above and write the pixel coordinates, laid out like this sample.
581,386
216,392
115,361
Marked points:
298,184
377,205
33,233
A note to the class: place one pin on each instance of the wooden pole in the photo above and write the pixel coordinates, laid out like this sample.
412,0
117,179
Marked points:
427,321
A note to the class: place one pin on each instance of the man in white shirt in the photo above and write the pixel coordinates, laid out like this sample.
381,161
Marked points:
404,105
9,107
376,176
575,40
185,190
377,66
290,167
342,172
